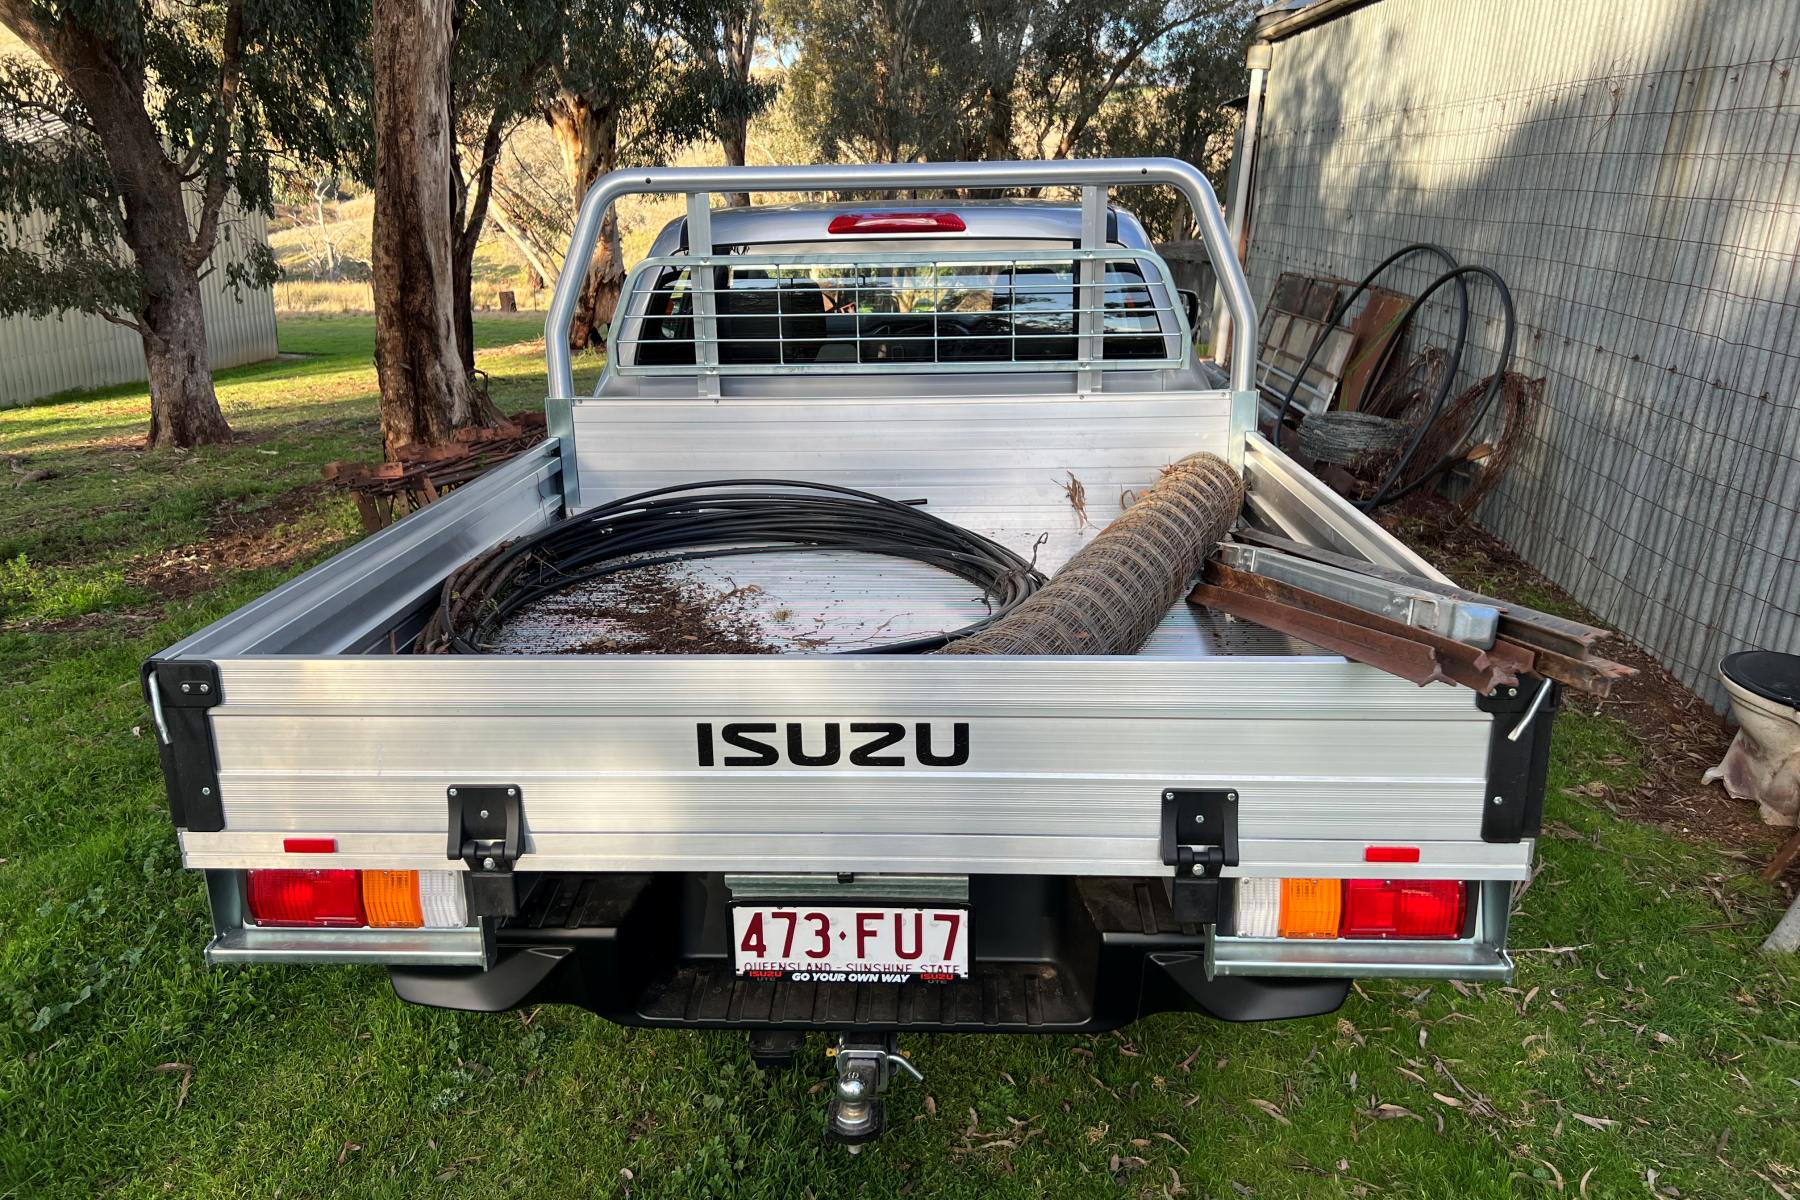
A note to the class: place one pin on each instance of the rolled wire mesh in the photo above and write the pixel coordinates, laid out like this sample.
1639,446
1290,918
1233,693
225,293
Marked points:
1108,598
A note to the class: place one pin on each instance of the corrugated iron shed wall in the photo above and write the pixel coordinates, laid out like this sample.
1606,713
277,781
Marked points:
1629,168
40,357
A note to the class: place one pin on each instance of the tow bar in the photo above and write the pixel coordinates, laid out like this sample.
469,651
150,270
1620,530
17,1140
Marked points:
865,1063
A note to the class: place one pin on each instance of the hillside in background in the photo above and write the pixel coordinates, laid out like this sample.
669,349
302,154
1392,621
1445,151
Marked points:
324,248
325,262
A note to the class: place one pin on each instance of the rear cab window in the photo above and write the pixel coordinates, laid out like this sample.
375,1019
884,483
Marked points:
960,310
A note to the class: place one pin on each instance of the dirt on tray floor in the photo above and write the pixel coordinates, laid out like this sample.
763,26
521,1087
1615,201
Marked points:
1679,733
656,610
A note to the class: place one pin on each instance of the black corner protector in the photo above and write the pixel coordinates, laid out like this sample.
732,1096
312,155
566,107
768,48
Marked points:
179,692
1518,766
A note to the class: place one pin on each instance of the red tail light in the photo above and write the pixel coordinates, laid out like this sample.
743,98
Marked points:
897,222
306,898
1403,908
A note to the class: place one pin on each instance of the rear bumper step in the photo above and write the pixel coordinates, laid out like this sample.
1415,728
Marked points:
1001,997
1393,960
1050,955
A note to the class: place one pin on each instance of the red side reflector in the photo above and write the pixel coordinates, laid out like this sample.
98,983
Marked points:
306,898
309,845
1403,908
1390,854
897,222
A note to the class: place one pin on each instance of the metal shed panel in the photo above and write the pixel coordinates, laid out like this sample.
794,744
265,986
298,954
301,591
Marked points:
1630,171
41,356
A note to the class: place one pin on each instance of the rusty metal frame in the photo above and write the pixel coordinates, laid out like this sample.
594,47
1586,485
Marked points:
1404,650
1557,647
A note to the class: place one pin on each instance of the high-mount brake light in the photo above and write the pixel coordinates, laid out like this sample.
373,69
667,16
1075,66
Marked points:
306,899
1403,908
897,222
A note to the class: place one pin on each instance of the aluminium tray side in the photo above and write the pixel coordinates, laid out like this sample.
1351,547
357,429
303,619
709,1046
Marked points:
351,602
1062,764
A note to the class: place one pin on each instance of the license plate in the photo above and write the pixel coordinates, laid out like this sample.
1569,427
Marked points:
863,944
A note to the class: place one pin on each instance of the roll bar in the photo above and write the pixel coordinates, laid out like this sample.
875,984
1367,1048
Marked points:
697,183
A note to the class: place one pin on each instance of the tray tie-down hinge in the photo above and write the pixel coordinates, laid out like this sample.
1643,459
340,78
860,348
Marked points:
487,831
1199,839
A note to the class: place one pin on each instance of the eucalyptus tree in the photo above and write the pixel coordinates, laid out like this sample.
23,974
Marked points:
1183,109
622,91
426,392
130,138
722,37
895,80
882,80
504,51
1086,51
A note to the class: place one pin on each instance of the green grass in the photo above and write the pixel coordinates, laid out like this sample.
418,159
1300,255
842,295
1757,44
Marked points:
127,1068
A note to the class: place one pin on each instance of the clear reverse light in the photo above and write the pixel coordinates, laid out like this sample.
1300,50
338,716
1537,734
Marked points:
441,899
1258,907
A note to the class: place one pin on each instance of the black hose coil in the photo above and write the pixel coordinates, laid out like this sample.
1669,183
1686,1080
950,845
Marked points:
695,521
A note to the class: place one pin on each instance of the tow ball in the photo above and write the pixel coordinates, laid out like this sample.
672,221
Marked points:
857,1114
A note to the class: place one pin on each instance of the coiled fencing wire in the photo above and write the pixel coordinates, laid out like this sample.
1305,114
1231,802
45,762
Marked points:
717,519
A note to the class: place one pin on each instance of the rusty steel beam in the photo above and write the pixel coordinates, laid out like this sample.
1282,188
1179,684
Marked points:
1594,676
1455,662
1396,655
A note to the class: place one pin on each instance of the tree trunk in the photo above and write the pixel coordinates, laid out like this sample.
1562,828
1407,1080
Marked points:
734,139
425,391
1000,122
462,272
600,293
739,27
587,133
184,409
471,219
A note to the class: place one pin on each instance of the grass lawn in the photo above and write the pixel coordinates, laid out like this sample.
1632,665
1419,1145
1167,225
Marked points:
1645,1048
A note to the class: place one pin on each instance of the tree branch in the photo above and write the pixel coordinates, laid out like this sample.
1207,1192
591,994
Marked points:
476,209
523,243
25,19
55,112
1090,106
218,177
127,322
